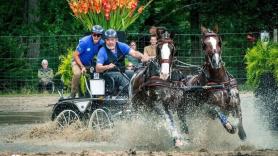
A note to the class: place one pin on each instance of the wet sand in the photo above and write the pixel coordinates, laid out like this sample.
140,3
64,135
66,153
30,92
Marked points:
34,103
125,139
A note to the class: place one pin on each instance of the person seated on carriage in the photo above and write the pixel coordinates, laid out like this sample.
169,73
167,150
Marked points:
111,59
45,75
87,48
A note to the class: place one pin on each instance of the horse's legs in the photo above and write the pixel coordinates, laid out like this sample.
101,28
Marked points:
181,111
235,102
215,112
164,112
241,132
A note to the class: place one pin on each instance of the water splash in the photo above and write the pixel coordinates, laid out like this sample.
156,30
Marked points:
143,134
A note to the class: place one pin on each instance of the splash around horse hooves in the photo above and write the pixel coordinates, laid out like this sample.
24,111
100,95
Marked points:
178,143
230,128
241,133
233,129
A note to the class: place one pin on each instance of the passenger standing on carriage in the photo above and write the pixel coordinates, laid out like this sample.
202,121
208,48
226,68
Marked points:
87,48
111,58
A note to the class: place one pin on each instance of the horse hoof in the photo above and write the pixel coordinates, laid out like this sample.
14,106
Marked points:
241,133
230,128
178,143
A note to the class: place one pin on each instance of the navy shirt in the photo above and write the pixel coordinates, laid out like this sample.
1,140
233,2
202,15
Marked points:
102,57
87,49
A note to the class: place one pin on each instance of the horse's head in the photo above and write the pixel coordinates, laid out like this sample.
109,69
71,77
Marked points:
165,52
212,47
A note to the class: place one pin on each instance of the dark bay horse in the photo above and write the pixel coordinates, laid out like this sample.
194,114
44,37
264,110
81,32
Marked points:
151,90
221,102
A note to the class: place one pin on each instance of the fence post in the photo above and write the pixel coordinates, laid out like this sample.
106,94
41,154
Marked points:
275,35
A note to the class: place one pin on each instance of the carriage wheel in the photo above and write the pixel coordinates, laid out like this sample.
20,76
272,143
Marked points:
100,120
66,118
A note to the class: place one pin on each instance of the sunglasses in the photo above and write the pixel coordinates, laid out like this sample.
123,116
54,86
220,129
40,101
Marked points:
97,35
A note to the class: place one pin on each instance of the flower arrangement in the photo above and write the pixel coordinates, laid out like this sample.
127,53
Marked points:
116,14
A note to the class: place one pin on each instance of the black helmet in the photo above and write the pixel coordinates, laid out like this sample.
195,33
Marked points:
97,29
110,33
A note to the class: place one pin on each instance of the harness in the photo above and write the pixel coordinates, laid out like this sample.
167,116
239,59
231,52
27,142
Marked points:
211,34
119,61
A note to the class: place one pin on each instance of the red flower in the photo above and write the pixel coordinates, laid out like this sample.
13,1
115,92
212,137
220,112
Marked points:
140,10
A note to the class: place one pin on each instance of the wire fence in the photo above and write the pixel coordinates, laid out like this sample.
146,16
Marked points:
21,56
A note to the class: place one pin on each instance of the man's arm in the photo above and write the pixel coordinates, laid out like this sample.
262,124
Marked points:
50,74
138,55
40,74
100,68
78,61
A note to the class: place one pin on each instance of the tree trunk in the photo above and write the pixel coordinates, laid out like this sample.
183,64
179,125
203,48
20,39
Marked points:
33,18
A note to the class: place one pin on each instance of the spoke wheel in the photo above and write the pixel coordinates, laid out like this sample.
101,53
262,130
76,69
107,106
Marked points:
100,120
66,118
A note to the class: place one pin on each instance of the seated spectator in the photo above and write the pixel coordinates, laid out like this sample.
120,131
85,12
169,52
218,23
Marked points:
151,49
131,60
45,76
145,39
129,66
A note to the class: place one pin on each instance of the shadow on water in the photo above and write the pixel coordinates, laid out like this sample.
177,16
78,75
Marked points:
23,117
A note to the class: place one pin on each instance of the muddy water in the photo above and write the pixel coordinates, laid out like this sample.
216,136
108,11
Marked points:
23,117
34,132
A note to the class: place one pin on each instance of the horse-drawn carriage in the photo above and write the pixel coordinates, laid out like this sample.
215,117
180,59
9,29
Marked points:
104,102
165,88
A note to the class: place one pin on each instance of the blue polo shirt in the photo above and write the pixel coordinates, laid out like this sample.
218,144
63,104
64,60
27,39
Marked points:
87,49
102,57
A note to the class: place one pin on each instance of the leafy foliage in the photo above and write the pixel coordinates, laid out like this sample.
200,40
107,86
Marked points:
261,59
14,65
83,83
64,69
53,20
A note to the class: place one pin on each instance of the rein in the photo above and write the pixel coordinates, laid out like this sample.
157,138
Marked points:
230,83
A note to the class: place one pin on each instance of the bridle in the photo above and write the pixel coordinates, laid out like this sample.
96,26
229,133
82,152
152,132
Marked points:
210,52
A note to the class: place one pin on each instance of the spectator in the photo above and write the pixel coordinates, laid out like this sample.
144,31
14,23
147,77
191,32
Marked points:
45,76
144,41
132,61
153,30
151,49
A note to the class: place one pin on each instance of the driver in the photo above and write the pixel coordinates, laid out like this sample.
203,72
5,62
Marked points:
83,56
111,58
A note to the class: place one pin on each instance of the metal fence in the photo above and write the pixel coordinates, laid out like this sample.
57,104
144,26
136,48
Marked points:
21,56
